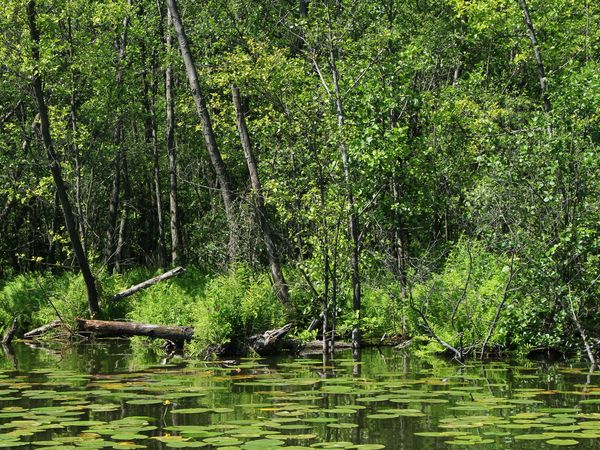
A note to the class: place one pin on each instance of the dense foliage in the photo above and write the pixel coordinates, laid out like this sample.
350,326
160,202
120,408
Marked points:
444,154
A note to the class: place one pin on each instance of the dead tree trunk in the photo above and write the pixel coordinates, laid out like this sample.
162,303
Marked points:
265,343
43,329
151,282
55,168
281,288
104,328
207,129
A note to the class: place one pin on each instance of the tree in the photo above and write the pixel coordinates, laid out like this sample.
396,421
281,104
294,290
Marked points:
207,128
54,163
281,288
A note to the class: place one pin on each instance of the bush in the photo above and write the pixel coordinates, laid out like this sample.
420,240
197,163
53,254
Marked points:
236,305
438,296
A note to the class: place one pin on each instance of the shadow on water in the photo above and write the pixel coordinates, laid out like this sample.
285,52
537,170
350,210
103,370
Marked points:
111,394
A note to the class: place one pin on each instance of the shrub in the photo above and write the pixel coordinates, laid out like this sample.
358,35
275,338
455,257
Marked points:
236,305
438,296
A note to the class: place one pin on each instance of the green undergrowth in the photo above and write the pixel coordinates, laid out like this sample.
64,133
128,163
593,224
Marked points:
459,301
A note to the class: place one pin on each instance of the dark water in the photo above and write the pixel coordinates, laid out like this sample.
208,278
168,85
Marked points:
109,396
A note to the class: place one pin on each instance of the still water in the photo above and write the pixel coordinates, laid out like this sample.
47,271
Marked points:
109,396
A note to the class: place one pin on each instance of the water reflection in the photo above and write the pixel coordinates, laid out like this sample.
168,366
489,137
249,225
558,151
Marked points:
109,395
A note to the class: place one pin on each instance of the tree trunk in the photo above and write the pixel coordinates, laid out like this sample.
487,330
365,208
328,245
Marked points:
353,219
151,282
104,328
207,130
54,164
112,248
281,288
176,253
538,56
151,138
113,209
43,329
10,333
119,256
304,8
74,144
265,343
6,209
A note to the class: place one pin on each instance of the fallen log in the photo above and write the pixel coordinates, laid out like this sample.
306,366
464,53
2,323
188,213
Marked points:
152,281
176,336
43,329
105,328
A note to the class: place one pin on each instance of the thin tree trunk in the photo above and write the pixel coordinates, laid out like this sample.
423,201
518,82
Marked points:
6,209
176,253
54,164
207,130
113,214
151,137
304,8
353,219
124,217
281,288
75,146
538,55
146,284
113,209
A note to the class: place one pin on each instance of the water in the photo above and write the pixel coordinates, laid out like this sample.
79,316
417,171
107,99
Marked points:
110,396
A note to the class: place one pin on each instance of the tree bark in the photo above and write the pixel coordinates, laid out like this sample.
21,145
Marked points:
207,130
6,209
176,252
304,8
152,281
281,288
55,168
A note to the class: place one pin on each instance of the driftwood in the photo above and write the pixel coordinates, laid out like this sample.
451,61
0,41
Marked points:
175,336
10,333
152,281
265,343
104,328
42,330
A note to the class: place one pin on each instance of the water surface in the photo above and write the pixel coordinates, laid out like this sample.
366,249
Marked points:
109,396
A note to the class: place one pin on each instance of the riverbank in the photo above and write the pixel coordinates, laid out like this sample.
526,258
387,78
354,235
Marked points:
225,309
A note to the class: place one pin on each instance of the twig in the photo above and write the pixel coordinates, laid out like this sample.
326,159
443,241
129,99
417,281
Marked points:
500,306
458,354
